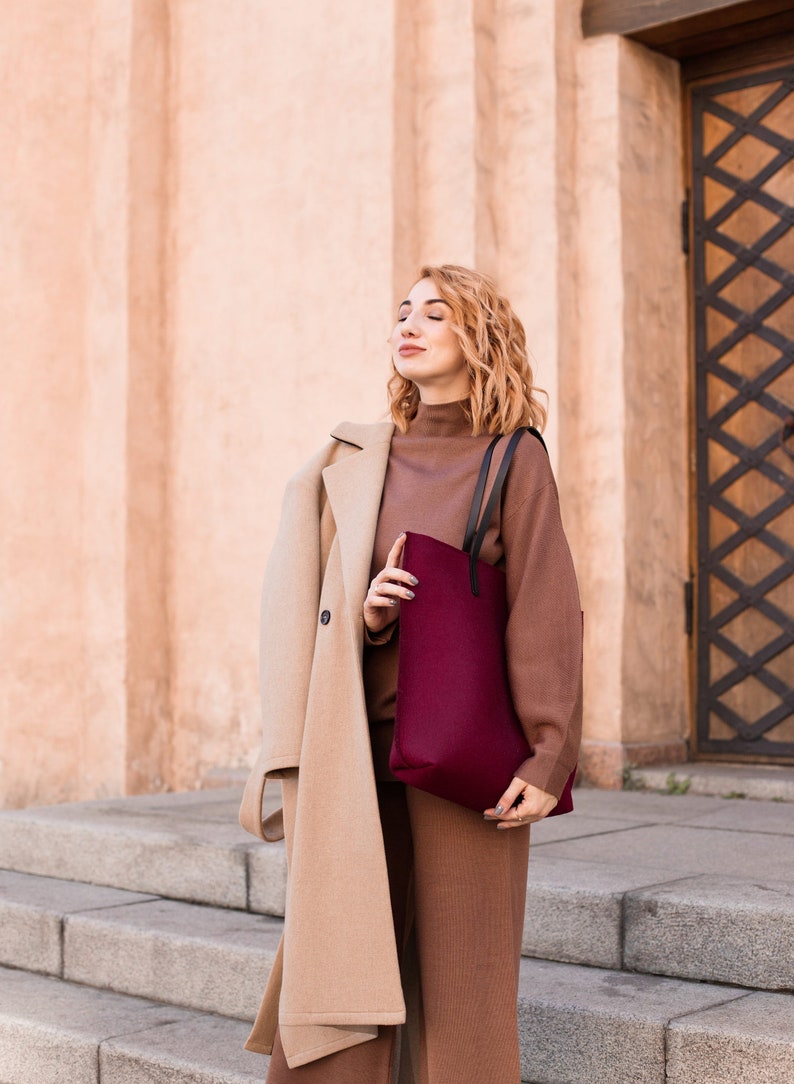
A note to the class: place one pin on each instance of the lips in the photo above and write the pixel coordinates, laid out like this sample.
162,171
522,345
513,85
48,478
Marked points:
409,348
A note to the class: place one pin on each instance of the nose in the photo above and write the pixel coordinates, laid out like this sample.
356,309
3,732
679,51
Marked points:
406,328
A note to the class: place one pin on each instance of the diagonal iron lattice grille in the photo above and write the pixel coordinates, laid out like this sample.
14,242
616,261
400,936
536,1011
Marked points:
743,263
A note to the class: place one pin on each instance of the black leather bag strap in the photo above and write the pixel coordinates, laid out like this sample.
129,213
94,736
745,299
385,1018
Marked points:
479,493
493,499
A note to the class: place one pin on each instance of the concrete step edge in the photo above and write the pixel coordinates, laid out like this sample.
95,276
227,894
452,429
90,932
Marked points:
758,782
155,947
576,1024
128,845
53,1032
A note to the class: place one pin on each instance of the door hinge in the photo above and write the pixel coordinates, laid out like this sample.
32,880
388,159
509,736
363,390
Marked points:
685,225
689,605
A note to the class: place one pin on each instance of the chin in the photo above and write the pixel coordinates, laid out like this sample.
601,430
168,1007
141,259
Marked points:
407,370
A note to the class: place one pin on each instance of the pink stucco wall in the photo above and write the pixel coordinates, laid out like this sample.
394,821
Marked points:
209,214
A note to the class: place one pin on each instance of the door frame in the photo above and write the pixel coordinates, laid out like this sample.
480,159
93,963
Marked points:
719,66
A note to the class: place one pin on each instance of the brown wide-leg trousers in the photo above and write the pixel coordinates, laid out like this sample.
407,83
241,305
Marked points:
458,887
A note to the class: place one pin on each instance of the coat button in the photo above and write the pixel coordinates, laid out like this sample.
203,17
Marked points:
325,617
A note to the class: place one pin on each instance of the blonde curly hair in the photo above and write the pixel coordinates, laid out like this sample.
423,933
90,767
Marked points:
502,395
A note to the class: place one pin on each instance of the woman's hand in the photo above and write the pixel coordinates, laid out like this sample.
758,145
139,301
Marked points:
382,604
535,804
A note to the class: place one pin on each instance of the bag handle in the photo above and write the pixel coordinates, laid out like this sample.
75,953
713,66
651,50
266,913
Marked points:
473,541
479,492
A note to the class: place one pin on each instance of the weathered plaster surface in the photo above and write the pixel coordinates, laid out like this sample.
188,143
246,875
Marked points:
281,275
656,389
148,662
630,492
103,512
211,212
60,583
598,518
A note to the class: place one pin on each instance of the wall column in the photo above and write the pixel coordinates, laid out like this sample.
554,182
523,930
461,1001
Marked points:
629,524
148,303
82,637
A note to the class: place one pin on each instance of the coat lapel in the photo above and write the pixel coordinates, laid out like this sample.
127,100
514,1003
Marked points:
354,486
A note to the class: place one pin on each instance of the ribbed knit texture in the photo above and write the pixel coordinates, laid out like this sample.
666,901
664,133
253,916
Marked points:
466,898
429,484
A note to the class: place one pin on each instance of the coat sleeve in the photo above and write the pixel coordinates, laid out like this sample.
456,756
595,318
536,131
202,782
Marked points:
288,627
544,628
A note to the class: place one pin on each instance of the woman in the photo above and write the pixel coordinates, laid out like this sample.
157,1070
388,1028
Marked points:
402,906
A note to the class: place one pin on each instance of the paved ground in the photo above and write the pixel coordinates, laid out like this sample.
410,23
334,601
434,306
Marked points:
658,939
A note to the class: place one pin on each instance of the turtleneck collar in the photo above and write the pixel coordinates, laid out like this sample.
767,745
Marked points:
440,420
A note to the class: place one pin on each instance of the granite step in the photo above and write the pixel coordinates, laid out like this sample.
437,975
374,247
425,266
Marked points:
704,927
577,1025
207,958
218,959
55,1032
582,1025
186,846
629,881
767,782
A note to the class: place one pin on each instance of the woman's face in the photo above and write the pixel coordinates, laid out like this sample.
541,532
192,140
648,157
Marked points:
426,350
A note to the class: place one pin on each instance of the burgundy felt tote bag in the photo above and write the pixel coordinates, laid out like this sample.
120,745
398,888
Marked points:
456,732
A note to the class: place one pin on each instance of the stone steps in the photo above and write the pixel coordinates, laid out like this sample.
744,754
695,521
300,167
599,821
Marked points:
55,1032
642,893
704,928
207,958
582,1025
709,928
185,846
159,917
577,1025
767,782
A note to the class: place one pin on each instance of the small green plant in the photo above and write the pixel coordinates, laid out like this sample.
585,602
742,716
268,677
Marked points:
630,780
735,794
677,786
777,798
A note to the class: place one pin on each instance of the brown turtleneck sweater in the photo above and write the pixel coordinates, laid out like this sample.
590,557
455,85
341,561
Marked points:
429,483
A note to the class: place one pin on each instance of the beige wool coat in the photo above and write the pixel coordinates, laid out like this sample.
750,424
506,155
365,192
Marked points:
337,974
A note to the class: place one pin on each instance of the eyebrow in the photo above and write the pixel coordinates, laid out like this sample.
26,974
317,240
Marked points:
430,301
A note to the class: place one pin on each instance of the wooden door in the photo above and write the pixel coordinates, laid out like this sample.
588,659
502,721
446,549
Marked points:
742,280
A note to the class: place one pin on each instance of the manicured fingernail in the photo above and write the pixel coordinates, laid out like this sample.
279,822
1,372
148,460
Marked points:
502,827
414,580
488,817
499,811
392,601
410,594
